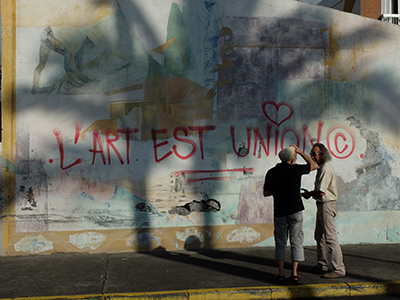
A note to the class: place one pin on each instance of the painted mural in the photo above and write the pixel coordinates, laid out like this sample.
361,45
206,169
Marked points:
145,124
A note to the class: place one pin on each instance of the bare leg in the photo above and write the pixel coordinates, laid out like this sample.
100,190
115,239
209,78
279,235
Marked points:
48,43
281,263
44,54
295,264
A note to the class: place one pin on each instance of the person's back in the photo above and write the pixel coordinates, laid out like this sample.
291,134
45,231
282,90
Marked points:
283,183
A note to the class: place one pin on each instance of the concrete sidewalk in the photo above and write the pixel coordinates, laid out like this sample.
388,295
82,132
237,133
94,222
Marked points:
246,273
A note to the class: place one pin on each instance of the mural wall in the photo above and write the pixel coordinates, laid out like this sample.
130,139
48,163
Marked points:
138,125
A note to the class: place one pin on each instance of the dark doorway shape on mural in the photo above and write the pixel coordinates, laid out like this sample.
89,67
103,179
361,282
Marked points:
210,205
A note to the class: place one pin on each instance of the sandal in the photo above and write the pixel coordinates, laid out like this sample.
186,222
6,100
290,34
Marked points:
295,278
280,277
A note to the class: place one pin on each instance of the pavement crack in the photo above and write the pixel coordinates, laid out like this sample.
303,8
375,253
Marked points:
105,278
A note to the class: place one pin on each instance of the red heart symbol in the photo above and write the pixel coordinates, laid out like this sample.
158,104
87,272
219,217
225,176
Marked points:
277,106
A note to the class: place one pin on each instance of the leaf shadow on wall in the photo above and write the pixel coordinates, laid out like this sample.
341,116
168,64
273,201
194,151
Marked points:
242,85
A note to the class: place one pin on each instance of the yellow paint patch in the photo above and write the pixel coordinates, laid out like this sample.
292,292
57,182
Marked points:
101,126
118,240
59,13
267,292
8,94
362,289
313,290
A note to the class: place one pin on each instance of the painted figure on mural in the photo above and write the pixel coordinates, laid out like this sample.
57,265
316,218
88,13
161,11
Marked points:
72,63
325,193
283,182
369,190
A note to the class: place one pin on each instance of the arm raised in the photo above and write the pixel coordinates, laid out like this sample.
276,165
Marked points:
308,159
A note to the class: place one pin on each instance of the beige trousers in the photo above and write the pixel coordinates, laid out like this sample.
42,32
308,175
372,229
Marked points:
326,238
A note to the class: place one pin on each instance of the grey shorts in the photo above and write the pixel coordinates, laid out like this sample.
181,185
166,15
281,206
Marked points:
289,226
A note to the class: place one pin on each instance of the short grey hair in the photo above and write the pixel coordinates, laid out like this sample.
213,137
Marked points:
287,154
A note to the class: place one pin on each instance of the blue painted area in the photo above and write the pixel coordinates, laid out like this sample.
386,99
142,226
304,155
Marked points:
5,163
125,210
